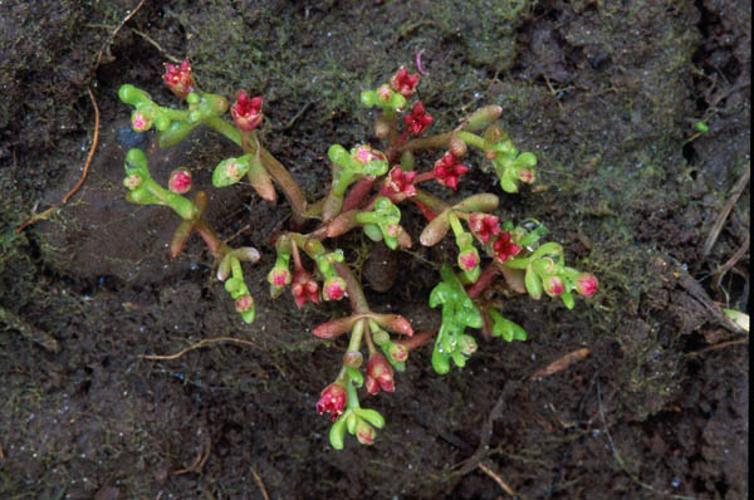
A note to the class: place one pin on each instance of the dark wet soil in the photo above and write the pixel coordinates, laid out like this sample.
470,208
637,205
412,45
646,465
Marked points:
606,93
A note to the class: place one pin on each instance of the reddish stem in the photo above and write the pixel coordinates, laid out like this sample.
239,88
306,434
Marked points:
358,192
355,292
424,176
418,340
485,279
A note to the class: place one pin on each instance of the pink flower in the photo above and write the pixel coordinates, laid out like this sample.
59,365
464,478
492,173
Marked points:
304,288
247,111
334,288
279,277
399,352
365,154
332,400
180,181
554,286
448,170
399,185
140,122
468,260
504,247
132,181
526,176
418,119
587,284
404,83
379,375
244,303
178,78
484,226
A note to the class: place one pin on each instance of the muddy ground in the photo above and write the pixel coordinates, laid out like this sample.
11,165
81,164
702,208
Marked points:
605,92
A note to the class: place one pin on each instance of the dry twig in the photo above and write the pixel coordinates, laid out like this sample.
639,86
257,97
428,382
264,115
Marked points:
738,190
495,477
197,345
562,363
260,483
110,39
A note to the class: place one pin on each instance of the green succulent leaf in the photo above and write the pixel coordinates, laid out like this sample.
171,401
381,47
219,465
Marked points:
338,432
371,416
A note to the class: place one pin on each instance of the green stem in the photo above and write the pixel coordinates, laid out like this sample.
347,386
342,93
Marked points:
434,203
432,142
225,128
473,140
354,343
353,397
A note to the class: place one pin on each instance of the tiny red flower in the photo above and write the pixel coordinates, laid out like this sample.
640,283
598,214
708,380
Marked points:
247,111
554,286
334,288
304,288
418,119
484,226
404,82
504,247
178,78
332,400
448,170
399,185
180,181
587,284
379,375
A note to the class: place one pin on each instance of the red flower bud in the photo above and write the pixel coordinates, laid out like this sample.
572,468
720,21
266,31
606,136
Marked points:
399,352
448,170
379,375
527,176
244,303
334,288
304,288
504,247
178,78
399,185
180,181
484,226
404,83
365,433
587,284
418,119
553,286
332,400
247,111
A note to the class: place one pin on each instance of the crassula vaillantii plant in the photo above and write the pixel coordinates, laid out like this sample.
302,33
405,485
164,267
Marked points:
369,189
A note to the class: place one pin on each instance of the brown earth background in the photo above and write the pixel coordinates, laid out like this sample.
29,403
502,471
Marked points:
604,92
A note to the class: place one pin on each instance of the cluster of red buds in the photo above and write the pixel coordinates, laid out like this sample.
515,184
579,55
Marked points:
367,191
